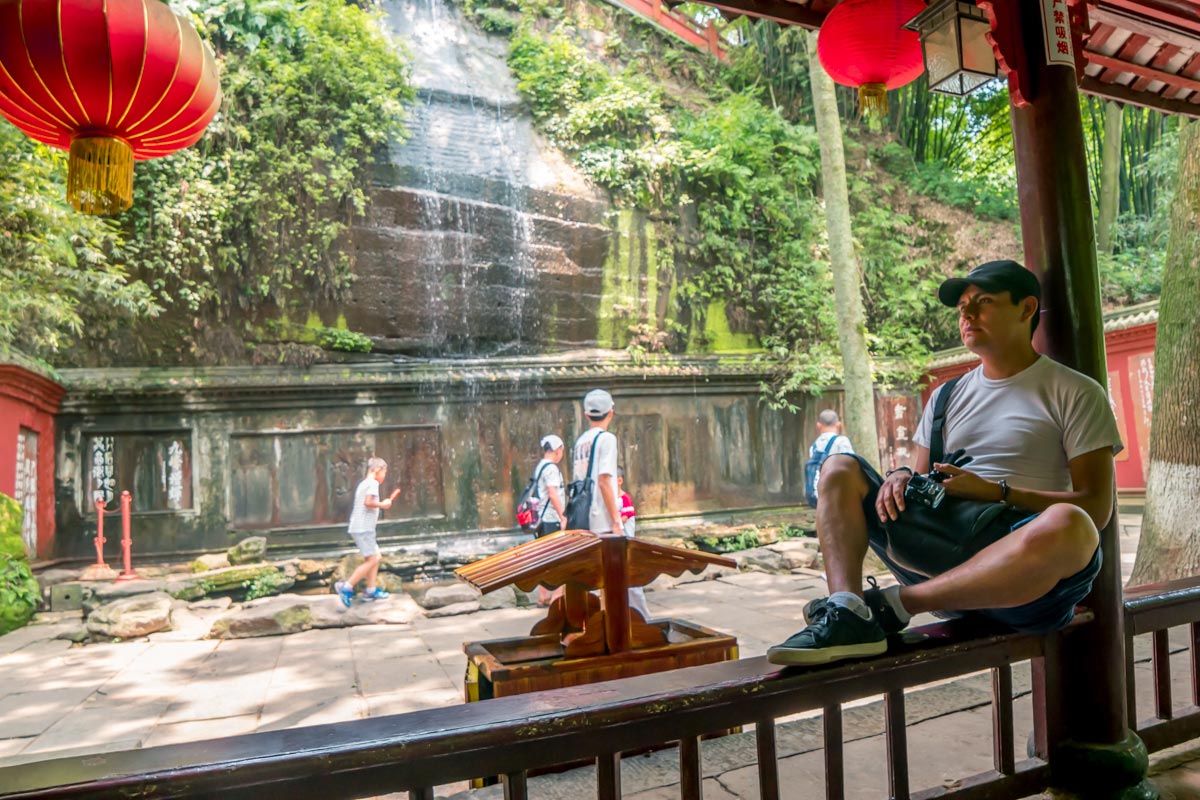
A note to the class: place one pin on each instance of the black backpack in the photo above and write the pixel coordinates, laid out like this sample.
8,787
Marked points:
529,504
815,459
579,495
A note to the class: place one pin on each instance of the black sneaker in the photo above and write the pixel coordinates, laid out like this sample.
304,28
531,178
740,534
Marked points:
880,608
834,633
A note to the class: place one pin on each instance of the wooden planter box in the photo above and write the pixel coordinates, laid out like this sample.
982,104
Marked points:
504,667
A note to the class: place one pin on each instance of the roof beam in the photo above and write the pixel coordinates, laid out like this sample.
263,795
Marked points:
1186,35
1150,74
1123,94
781,11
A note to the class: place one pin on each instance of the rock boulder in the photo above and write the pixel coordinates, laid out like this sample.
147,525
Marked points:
451,594
211,561
454,609
272,616
248,551
759,558
131,617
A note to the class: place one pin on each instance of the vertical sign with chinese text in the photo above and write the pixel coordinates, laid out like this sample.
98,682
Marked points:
1056,29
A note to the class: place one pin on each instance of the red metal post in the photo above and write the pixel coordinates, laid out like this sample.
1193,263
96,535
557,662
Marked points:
127,574
100,540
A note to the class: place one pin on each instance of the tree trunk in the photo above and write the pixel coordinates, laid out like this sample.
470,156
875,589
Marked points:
1110,175
1170,546
857,377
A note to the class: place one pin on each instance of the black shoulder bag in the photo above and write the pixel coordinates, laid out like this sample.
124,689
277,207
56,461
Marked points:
579,495
930,541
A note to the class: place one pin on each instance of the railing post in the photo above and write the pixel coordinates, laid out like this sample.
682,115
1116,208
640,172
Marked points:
1100,758
100,540
127,574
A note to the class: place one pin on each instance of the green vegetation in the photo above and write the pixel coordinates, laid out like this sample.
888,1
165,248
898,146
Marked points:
244,225
742,540
55,264
264,585
245,231
19,592
668,131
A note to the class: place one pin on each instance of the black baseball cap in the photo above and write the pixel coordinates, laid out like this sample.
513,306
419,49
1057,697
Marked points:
994,276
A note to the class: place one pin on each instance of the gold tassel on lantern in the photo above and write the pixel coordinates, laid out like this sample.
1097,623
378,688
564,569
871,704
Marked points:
100,175
872,99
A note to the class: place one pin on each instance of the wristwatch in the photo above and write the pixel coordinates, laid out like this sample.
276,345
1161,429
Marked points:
1003,491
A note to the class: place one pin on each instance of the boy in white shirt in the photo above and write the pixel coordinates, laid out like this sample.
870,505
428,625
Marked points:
363,518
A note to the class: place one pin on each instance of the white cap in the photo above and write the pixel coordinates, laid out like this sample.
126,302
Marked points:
551,442
597,403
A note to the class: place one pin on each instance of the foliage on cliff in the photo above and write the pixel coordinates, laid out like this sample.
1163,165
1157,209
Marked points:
53,261
246,220
665,130
669,130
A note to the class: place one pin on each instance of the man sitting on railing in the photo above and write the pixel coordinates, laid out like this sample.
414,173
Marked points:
1041,438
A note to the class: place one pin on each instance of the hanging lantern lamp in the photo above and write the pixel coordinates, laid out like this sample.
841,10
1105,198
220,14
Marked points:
864,43
958,56
111,82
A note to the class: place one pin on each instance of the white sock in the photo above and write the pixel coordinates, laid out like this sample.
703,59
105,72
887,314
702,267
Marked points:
852,602
892,595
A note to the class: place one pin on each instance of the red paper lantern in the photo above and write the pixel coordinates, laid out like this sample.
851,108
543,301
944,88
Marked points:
112,81
863,43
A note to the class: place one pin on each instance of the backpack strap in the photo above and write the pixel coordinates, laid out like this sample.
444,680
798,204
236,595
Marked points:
537,477
536,480
592,455
829,446
937,443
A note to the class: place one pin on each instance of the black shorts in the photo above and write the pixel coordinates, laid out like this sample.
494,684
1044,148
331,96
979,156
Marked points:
1050,612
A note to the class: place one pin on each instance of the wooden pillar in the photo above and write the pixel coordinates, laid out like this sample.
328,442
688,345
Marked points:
1104,759
615,594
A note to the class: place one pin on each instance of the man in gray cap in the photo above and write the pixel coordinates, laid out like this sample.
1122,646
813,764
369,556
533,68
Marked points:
1041,438
605,514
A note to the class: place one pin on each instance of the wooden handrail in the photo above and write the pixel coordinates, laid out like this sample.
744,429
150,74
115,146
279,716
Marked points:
426,748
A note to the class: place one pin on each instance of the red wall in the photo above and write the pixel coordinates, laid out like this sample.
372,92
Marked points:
1130,355
27,400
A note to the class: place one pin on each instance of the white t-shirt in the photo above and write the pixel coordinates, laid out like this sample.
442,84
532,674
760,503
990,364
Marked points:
840,445
605,468
1025,428
363,519
549,475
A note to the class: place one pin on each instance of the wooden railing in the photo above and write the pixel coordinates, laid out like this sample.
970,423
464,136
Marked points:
1154,610
510,736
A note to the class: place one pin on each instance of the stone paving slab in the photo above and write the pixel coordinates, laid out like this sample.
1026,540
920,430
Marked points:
32,713
230,682
200,730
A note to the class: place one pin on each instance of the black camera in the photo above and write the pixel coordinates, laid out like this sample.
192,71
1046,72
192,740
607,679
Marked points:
927,489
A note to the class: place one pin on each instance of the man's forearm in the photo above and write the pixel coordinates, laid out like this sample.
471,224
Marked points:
1098,506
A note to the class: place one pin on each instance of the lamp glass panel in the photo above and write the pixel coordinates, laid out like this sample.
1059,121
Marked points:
953,85
941,52
977,53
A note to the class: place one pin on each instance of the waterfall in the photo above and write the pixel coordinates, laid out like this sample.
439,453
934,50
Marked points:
481,240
